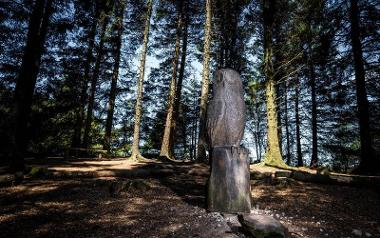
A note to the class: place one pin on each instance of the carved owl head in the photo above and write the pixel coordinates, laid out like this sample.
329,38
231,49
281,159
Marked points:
227,81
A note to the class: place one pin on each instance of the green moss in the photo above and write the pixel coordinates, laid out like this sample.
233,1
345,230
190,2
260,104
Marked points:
275,161
39,172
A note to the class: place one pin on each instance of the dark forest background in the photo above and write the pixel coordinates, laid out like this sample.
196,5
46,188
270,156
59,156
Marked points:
70,73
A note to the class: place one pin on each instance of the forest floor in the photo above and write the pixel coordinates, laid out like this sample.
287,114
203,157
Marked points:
117,198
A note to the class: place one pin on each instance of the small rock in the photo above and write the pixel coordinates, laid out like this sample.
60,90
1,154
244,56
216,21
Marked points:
118,187
261,226
283,174
368,234
304,229
357,232
140,185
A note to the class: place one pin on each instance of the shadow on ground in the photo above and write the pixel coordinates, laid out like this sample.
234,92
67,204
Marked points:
172,205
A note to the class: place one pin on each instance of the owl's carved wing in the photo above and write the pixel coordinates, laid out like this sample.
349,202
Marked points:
215,121
236,118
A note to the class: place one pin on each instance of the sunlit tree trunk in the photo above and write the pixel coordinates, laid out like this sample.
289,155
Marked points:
138,110
201,151
115,75
273,154
27,78
298,122
94,82
369,163
166,146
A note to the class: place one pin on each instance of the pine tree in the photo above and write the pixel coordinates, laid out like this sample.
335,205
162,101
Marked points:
369,163
118,24
83,84
273,155
27,78
167,140
95,74
136,132
201,151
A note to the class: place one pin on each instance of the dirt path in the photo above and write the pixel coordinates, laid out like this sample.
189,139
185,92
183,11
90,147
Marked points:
172,205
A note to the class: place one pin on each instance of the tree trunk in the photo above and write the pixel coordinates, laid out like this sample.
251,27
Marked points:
298,132
314,154
177,103
136,132
94,82
115,76
369,163
194,127
288,159
80,113
279,113
178,109
27,78
257,124
166,147
184,131
273,155
201,153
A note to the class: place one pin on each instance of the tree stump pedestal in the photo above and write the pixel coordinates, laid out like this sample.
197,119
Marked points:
229,187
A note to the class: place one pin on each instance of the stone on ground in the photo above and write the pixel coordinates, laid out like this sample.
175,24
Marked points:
283,173
232,221
263,226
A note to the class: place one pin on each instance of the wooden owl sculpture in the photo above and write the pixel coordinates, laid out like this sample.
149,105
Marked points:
226,110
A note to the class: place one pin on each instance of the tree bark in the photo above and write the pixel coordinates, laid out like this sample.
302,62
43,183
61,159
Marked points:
257,124
256,134
166,147
273,155
314,129
369,163
178,110
115,76
298,132
314,155
138,110
288,158
27,78
177,103
94,82
201,151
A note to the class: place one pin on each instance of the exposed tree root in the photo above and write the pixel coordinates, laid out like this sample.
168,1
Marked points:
170,158
277,164
138,157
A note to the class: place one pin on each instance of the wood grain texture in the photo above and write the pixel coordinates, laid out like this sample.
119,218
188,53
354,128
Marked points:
228,186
